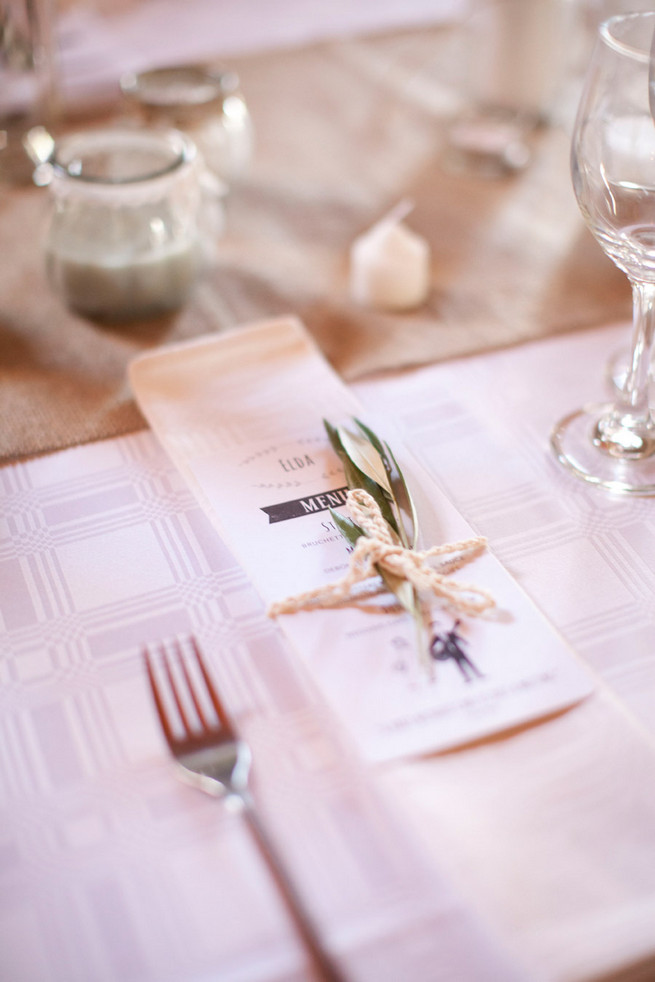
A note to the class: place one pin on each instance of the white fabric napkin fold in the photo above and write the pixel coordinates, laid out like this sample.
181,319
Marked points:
241,416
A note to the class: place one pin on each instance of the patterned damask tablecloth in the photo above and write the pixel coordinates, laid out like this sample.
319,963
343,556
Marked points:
538,844
344,129
541,838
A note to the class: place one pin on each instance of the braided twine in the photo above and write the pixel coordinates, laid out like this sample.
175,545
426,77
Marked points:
379,550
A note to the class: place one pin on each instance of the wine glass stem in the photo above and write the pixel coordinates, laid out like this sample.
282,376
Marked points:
628,430
634,394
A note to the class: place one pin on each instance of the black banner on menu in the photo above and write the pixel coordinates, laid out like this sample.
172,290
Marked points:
285,510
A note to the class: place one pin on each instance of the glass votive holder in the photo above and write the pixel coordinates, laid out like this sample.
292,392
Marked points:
205,103
28,82
123,241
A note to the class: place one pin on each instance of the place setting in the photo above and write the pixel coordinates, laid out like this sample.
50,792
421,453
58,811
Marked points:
244,418
327,648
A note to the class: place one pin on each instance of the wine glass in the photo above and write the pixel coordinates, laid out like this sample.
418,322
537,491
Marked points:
613,172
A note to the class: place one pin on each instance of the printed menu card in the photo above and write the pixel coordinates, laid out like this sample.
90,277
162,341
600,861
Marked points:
242,415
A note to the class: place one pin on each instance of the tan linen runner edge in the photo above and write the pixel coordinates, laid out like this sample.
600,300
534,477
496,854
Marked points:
344,129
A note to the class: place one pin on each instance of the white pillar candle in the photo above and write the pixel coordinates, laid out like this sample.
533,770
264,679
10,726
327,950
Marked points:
390,265
518,53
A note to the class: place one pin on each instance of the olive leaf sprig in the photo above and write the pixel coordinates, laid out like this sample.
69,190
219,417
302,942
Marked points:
369,463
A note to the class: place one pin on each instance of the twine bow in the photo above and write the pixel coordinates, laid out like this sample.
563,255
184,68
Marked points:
378,549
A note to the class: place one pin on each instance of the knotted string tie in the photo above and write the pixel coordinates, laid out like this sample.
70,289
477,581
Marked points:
378,550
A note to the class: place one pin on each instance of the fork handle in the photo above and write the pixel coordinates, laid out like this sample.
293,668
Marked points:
322,961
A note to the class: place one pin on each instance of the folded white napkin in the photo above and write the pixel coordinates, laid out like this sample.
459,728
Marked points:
241,416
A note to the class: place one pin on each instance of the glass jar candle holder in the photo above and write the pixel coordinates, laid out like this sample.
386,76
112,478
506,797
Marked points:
123,241
205,103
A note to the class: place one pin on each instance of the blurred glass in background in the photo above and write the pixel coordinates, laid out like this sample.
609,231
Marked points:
28,90
203,101
514,56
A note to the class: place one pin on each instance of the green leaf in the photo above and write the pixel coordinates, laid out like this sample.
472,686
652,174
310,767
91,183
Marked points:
333,437
400,494
368,463
371,436
404,502
366,457
357,478
403,590
348,529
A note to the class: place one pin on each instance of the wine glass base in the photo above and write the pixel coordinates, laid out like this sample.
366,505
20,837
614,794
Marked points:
574,442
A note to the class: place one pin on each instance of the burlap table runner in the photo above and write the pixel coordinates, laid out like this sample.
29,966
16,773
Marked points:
344,129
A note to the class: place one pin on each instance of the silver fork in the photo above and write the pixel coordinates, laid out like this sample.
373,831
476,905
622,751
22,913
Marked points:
205,744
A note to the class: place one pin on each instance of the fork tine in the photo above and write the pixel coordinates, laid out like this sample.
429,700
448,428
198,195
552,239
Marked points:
184,716
165,656
191,685
211,688
156,695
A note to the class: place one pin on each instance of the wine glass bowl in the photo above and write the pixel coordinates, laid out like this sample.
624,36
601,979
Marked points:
613,174
618,199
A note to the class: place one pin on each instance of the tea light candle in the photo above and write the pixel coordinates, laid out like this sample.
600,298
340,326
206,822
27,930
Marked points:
390,264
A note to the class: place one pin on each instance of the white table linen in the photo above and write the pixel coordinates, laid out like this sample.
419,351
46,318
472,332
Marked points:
110,869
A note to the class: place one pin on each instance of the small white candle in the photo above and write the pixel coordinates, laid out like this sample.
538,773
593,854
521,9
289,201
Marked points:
390,265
